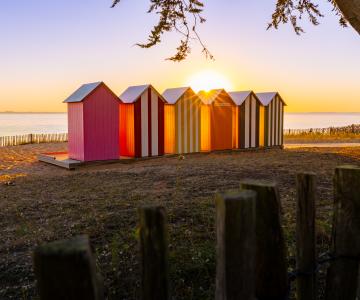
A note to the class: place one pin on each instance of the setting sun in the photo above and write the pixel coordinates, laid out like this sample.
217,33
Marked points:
208,80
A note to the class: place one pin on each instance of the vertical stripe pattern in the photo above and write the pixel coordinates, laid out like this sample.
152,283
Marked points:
148,120
187,123
248,123
274,122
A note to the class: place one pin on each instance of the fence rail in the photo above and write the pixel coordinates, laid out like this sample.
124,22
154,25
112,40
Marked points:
251,251
351,129
32,138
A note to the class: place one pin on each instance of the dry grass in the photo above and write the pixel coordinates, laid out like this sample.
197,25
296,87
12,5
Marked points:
338,137
47,203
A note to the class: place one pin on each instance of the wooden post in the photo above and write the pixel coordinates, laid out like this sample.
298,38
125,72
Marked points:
342,276
154,253
305,236
66,270
236,242
271,265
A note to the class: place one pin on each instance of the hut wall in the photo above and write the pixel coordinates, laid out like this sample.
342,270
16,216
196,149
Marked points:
249,122
148,125
127,130
261,126
188,124
235,127
76,131
221,123
169,128
274,119
205,128
101,125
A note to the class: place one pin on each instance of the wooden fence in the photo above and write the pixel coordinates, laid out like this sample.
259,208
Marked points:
251,252
351,129
33,139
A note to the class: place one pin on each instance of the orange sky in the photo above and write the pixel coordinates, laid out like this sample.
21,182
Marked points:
49,49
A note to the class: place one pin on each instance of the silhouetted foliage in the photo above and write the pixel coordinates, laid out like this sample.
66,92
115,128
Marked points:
183,16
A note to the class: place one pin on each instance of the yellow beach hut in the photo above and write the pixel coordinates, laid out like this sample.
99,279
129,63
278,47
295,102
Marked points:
182,121
273,118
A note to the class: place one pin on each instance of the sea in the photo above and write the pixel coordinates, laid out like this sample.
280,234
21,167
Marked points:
25,123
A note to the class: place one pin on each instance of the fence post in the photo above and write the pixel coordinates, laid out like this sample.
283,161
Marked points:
154,253
305,236
271,265
236,245
66,270
342,276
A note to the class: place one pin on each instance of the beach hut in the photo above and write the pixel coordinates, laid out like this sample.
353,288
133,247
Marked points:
93,123
273,118
182,120
249,117
216,120
141,122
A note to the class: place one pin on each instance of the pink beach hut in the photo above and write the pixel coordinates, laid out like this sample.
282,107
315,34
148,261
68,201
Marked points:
93,123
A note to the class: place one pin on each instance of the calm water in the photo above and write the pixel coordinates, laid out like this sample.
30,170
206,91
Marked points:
14,124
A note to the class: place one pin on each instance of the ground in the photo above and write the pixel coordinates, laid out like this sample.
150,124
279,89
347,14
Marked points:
40,203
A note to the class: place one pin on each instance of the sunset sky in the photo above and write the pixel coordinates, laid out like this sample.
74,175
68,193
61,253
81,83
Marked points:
49,48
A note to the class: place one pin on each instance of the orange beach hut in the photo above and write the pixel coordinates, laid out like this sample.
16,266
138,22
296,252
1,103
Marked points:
216,120
93,123
141,122
182,120
249,120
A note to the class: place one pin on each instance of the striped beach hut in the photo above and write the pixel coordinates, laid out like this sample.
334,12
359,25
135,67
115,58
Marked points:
182,120
93,123
216,120
141,122
248,118
273,118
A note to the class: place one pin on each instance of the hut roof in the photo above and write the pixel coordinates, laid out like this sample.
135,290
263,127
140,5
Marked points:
266,98
240,97
208,97
174,94
132,93
82,92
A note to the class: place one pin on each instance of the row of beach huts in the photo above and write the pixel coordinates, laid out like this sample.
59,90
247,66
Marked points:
141,122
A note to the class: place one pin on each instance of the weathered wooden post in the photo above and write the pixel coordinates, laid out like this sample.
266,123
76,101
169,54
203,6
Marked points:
305,236
236,242
154,253
342,277
66,270
271,263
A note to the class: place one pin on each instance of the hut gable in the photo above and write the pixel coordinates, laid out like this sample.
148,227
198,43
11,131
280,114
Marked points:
133,93
266,98
240,97
208,97
173,95
82,92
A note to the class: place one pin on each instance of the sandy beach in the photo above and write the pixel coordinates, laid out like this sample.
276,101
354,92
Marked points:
40,202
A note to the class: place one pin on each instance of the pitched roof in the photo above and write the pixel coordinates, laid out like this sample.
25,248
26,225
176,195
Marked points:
266,98
132,93
174,94
82,92
208,97
239,97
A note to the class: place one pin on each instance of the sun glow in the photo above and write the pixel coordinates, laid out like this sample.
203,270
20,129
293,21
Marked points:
208,80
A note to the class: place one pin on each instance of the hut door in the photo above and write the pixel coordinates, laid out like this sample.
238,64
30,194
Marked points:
221,126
